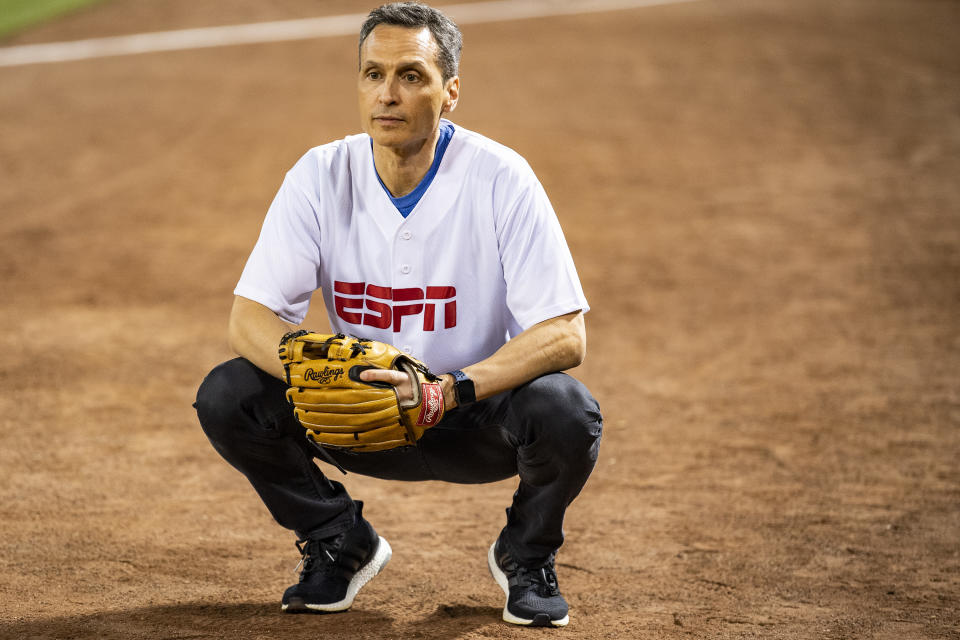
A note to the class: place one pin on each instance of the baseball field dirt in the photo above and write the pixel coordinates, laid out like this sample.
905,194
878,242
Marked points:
762,199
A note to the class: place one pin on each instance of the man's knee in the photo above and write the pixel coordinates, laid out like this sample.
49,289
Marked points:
558,407
216,401
224,396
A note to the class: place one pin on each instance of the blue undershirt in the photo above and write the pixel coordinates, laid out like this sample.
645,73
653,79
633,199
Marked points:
405,204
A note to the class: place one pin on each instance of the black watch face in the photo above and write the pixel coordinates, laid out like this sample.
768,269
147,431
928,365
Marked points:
465,390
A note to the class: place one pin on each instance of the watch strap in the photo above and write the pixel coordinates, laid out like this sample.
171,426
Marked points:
463,388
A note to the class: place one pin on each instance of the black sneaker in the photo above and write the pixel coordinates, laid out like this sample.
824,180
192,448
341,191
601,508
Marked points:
533,595
335,568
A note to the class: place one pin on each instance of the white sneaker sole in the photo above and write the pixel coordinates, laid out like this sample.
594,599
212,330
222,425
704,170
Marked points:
501,578
360,578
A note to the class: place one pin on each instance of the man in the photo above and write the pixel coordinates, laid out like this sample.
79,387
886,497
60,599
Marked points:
433,238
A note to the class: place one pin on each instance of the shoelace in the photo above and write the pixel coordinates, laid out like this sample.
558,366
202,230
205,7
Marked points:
317,555
544,579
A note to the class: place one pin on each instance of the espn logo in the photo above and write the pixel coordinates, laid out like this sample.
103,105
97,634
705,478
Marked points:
379,307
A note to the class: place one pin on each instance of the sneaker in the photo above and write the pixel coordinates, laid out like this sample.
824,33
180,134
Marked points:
335,568
533,595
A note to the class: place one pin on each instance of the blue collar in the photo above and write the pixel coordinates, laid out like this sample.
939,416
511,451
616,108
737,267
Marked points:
405,204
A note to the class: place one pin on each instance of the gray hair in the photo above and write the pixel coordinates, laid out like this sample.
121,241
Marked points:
414,15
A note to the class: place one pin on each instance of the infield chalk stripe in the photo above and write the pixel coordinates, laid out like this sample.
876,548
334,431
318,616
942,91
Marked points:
302,29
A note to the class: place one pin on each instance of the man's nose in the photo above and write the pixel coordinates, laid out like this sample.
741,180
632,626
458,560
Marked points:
388,92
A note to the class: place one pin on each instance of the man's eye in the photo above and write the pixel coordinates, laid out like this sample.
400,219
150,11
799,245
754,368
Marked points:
373,75
411,77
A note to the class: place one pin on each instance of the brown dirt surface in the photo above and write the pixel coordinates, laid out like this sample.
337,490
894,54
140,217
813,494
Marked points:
762,199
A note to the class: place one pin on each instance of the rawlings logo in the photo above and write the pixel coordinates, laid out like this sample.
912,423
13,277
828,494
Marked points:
326,376
431,409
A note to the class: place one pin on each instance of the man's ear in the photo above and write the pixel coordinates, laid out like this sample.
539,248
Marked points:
452,88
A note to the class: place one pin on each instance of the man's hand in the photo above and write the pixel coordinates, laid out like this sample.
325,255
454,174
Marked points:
404,384
356,394
398,379
552,345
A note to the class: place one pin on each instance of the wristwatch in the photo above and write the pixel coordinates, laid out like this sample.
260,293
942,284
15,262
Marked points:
463,388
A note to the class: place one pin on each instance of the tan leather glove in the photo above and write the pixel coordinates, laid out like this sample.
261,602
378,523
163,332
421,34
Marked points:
340,410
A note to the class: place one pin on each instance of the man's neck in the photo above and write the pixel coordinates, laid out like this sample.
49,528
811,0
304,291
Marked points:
402,169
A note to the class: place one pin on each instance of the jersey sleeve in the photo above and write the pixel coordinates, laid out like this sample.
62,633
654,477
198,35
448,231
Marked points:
283,269
541,279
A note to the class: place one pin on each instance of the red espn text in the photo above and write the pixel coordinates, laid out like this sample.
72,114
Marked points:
377,306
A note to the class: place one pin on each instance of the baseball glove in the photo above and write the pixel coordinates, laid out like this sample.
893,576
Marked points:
340,410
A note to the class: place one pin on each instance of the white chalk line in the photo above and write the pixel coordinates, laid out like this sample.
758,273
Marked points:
301,29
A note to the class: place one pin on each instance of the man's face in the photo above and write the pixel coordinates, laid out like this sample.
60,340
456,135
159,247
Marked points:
401,89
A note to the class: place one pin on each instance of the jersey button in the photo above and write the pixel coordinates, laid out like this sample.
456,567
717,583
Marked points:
407,350
406,235
405,268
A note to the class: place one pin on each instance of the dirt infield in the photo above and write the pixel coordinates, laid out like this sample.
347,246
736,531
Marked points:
763,201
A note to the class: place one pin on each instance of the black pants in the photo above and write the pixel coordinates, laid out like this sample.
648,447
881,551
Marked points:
546,431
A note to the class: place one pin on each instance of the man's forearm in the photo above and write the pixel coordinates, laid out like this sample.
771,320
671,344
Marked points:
552,345
255,332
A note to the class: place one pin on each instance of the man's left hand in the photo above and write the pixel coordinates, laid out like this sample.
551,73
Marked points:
398,379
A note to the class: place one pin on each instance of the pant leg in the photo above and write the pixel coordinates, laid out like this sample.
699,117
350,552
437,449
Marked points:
547,431
245,414
557,426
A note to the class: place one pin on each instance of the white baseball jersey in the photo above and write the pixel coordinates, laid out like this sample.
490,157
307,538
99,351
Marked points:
479,259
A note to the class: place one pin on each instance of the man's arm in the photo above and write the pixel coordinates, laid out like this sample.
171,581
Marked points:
553,345
255,332
556,344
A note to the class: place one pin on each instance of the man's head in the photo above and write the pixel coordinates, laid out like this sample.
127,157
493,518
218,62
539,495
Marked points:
414,15
407,77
